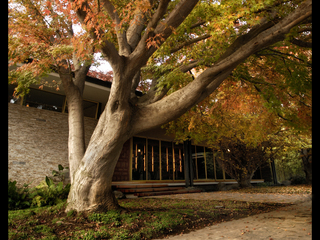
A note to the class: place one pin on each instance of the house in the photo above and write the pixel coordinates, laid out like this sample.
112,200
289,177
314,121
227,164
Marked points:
38,142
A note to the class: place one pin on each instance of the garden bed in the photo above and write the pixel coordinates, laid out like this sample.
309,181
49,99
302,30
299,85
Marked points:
146,218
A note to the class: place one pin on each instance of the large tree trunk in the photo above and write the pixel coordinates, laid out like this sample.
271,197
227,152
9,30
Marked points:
91,190
74,91
244,180
76,142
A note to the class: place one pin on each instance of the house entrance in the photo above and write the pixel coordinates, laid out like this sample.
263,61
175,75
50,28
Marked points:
156,160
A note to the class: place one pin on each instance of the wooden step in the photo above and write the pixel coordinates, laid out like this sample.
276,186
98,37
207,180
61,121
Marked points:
145,194
121,186
157,189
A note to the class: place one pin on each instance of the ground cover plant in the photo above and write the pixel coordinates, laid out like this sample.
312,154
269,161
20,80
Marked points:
46,193
145,218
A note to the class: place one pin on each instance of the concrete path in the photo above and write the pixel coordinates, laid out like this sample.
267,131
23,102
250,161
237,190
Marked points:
248,197
292,222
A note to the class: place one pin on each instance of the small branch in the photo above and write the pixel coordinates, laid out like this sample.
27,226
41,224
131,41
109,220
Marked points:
187,43
197,24
108,49
301,43
287,54
124,48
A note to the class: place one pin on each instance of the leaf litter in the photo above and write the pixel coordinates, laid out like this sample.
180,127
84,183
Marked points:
145,218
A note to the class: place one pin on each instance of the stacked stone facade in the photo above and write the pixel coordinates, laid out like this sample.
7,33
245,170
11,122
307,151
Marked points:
38,142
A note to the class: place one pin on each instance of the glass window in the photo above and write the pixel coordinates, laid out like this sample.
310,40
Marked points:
153,160
44,100
139,159
201,164
178,162
209,163
166,160
257,174
89,108
194,162
219,171
227,176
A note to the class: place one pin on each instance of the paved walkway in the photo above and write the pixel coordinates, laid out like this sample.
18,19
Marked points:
291,222
248,197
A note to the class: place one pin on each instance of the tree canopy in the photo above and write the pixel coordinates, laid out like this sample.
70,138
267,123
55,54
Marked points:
63,32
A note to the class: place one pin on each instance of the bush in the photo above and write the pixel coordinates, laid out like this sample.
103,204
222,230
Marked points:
265,184
298,180
51,194
18,198
44,194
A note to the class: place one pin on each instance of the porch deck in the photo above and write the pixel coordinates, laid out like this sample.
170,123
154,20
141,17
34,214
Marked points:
153,188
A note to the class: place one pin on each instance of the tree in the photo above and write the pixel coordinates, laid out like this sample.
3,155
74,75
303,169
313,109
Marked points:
306,155
240,161
258,112
136,38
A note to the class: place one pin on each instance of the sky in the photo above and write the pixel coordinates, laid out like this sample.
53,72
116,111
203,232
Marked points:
104,66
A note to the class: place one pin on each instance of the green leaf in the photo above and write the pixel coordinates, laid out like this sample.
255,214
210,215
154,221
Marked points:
54,173
60,167
49,181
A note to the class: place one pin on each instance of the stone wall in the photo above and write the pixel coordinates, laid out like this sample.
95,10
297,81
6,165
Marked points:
38,142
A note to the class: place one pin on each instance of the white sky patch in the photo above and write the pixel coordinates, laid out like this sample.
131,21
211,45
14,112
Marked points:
102,65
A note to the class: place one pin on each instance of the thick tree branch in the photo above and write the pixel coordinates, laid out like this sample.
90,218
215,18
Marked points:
160,112
124,48
160,31
154,95
108,48
161,10
136,26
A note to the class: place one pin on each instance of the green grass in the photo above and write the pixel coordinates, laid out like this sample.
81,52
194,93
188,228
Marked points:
146,218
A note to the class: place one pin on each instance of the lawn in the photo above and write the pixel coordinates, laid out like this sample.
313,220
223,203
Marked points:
146,218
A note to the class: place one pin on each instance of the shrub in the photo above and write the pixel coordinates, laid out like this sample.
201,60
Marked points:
18,198
46,193
298,180
51,194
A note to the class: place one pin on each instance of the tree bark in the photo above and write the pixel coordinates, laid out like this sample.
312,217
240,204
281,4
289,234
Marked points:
91,190
76,143
74,91
244,181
